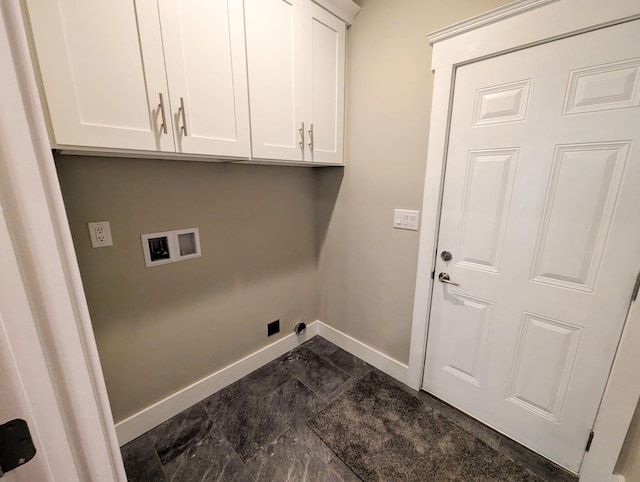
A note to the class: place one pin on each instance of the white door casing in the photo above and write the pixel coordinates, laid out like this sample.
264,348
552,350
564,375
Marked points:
204,50
538,211
49,342
26,391
101,99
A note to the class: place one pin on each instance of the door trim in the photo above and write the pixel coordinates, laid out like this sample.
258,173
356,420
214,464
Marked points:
38,225
522,24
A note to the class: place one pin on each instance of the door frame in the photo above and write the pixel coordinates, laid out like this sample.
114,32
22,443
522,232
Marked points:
41,238
518,25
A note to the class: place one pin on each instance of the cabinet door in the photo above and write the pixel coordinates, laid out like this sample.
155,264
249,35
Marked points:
103,72
276,77
206,69
325,40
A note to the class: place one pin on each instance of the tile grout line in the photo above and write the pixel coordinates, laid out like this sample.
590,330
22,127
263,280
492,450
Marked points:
215,424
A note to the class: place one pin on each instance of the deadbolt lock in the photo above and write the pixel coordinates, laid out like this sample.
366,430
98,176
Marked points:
446,255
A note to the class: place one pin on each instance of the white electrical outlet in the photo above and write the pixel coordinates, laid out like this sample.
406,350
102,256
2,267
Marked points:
100,234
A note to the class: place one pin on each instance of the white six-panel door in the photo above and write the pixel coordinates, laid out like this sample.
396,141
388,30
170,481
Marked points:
540,212
205,58
102,99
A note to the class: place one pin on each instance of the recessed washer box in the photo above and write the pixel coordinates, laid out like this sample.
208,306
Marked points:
188,241
170,246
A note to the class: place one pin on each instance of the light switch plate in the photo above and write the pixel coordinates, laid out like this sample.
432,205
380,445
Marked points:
405,219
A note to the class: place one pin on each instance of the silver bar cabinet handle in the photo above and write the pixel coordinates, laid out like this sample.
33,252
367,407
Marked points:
184,117
311,138
163,126
444,278
301,131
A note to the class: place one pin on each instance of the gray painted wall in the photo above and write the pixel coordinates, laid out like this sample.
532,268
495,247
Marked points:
160,329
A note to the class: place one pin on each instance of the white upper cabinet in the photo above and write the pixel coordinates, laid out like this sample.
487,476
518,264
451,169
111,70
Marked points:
105,67
175,78
296,62
276,89
205,59
325,97
103,72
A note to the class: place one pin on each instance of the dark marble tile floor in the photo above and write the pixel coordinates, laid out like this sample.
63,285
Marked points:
255,429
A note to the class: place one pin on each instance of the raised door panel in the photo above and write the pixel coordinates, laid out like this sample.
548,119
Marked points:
276,77
326,40
206,69
580,201
103,72
485,208
467,327
544,360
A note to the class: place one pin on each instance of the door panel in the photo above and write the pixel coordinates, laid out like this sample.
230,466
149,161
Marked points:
485,208
276,83
539,384
540,211
106,64
326,40
502,103
583,188
206,66
604,87
466,338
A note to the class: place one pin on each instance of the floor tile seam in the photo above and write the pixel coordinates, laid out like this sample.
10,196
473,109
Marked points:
273,389
354,379
224,436
516,459
322,354
192,443
462,417
233,451
528,466
522,462
351,378
293,427
329,399
336,456
306,384
280,417
162,469
231,414
327,360
261,449
312,451
325,444
333,364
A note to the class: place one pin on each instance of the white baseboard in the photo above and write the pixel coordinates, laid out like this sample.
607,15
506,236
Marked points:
163,410
373,357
